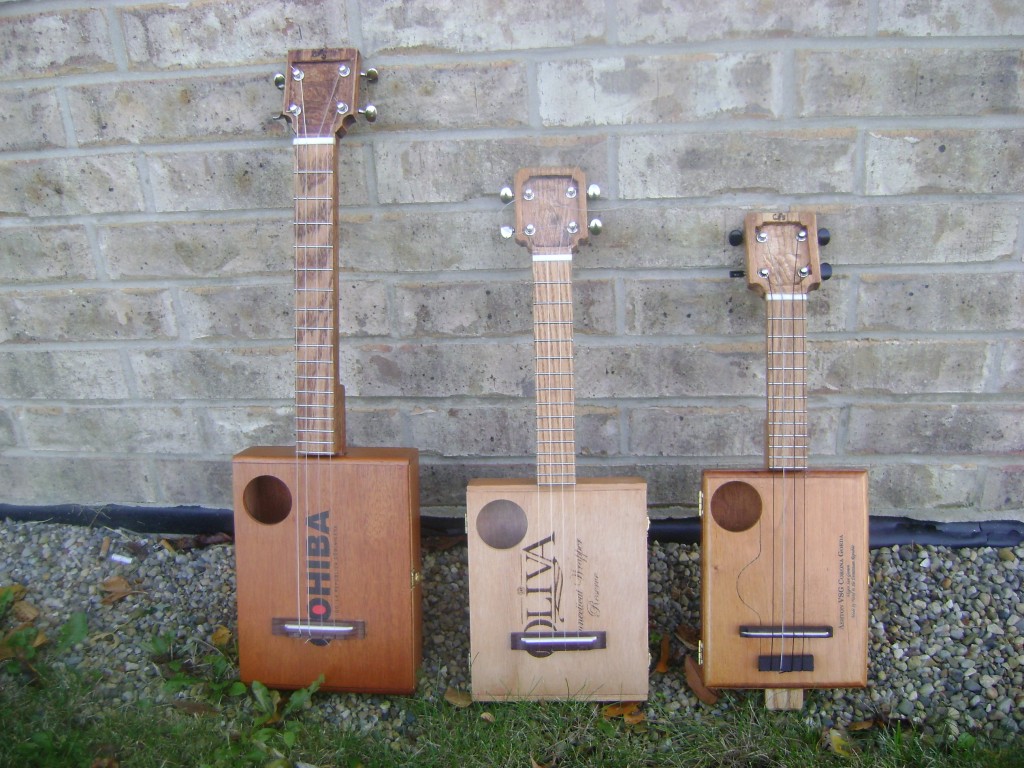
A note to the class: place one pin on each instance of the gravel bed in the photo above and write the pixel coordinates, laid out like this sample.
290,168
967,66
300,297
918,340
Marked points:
946,630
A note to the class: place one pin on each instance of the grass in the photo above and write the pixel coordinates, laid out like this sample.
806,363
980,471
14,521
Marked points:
53,720
52,716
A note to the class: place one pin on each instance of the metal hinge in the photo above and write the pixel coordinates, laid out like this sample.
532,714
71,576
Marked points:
700,503
700,653
417,578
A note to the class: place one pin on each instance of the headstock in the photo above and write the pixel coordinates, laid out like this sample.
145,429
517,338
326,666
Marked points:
321,91
782,253
551,208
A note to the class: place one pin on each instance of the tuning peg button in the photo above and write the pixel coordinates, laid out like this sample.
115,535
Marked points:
370,113
507,232
595,227
736,237
506,195
824,237
371,75
593,192
279,81
826,270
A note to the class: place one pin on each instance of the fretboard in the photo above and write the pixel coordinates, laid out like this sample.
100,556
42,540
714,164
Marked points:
787,433
553,350
319,400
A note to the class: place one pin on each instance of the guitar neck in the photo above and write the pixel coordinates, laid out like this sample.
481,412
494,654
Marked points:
555,381
787,432
319,400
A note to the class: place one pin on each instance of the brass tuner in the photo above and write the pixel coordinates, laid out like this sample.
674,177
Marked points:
371,75
369,112
279,81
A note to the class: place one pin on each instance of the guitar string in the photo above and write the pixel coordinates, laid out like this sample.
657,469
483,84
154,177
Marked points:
298,181
793,423
798,401
555,388
777,361
778,568
313,212
328,310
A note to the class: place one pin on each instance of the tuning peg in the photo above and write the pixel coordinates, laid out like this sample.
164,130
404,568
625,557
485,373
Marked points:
506,195
824,237
736,238
369,112
826,270
507,232
593,192
279,81
371,75
595,227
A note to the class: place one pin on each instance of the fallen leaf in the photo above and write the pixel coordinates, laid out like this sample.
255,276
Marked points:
838,742
861,725
199,541
695,679
16,592
138,548
195,707
221,636
688,636
117,588
106,757
487,716
116,584
633,718
535,764
442,543
460,699
662,666
620,709
23,610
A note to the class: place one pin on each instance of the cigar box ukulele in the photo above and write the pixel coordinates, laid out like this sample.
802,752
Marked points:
327,537
785,549
557,564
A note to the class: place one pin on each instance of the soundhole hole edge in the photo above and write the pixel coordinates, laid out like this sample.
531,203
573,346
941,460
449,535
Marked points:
267,499
736,506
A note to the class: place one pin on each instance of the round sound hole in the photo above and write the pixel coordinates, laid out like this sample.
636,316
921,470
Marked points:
736,506
501,524
267,499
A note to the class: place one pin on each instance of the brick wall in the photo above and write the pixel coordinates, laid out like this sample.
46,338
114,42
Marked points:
145,246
